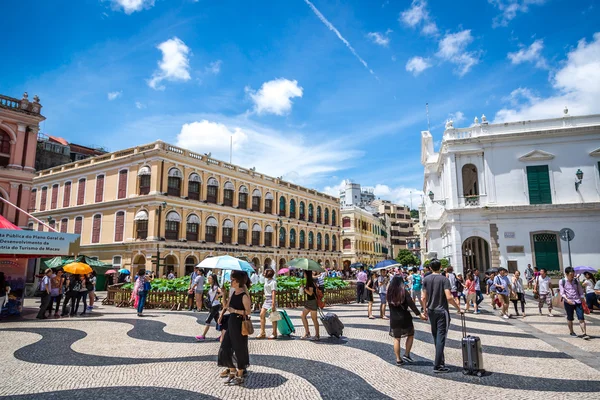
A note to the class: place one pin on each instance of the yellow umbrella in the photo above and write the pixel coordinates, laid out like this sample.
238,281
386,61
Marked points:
78,268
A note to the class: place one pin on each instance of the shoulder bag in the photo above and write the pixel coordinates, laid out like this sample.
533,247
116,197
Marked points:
247,328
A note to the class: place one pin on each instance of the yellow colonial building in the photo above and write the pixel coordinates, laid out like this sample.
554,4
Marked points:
365,236
159,199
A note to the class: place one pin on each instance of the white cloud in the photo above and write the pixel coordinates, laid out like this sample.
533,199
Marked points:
381,39
453,48
416,65
275,97
400,195
335,189
131,6
139,105
332,28
457,117
293,156
576,85
114,95
510,9
175,64
530,54
214,67
417,15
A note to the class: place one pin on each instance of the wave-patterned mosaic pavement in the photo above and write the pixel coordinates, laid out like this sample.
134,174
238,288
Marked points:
113,354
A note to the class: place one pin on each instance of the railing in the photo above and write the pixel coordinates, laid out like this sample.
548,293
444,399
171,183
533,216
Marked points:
178,300
9,102
471,201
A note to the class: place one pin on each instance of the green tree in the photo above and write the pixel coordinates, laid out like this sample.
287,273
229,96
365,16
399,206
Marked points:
414,214
406,257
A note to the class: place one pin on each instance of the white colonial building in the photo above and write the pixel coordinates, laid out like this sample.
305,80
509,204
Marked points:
499,194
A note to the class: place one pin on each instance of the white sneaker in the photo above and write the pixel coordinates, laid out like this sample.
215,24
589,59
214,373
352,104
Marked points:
551,315
505,316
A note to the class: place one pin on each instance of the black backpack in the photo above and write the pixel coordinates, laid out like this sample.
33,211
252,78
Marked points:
459,286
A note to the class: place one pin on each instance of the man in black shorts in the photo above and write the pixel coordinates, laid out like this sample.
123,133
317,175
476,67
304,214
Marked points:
436,295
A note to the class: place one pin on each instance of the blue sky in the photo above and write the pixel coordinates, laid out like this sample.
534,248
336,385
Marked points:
315,91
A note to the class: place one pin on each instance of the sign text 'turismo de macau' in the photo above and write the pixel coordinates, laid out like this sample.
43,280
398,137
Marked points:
16,242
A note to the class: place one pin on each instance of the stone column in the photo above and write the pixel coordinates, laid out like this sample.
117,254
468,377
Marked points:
11,212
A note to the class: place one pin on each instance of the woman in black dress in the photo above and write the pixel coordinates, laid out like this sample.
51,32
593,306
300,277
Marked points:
401,324
369,290
310,307
234,346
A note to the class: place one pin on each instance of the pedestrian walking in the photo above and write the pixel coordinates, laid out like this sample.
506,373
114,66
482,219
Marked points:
310,307
436,296
401,323
321,281
417,285
140,288
529,276
590,296
572,293
4,291
83,294
460,288
214,303
92,289
73,294
361,280
382,284
503,289
269,305
191,291
198,289
478,294
544,291
491,290
56,292
471,293
453,281
45,290
519,292
370,288
233,352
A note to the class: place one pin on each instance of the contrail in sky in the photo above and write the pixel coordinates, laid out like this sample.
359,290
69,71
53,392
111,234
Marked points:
339,35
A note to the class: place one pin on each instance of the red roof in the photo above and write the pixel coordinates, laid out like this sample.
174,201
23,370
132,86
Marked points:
59,140
6,224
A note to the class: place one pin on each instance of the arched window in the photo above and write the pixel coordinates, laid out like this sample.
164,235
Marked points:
333,243
144,176
243,198
268,236
212,190
346,222
256,235
173,220
242,233
4,143
311,240
470,185
347,244
192,227
319,220
282,206
227,231
228,190
319,241
96,228
64,223
122,184
256,195
293,238
302,211
302,240
78,226
333,218
141,224
194,183
326,242
43,198
211,230
282,237
190,263
311,213
292,208
268,203
326,222
119,226
174,182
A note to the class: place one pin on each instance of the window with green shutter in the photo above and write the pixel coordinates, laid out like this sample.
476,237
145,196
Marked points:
538,182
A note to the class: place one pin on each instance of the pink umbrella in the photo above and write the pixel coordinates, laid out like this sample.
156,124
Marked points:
283,271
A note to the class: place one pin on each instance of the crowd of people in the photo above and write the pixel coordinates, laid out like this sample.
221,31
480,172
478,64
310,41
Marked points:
72,289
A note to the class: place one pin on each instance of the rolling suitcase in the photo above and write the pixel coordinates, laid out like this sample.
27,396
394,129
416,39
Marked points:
284,325
471,352
332,324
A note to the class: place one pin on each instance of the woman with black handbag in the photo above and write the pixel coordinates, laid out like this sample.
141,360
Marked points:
234,344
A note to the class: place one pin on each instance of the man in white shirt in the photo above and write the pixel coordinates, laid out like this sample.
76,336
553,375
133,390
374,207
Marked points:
45,288
543,288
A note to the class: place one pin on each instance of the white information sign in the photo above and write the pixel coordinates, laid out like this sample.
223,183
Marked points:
17,242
